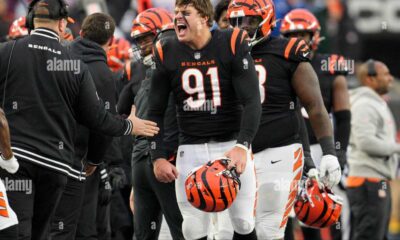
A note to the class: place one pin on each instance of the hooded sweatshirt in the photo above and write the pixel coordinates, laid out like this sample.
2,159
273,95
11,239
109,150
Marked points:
98,147
373,149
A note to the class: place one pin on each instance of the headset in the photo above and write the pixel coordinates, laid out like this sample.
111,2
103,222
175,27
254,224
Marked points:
371,67
31,15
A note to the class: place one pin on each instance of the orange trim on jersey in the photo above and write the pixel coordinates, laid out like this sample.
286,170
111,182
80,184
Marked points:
302,43
233,39
128,69
332,61
289,47
244,35
3,206
358,181
160,51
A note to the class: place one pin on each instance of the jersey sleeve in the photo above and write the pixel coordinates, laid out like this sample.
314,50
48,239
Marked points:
158,102
91,113
245,83
297,50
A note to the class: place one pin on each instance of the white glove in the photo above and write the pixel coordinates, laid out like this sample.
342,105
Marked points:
314,173
330,172
11,165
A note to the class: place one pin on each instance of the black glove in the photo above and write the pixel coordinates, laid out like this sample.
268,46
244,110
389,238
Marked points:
117,178
342,157
105,187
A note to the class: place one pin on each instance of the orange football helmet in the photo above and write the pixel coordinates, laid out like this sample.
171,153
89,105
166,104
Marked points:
257,17
18,28
67,35
118,53
317,208
148,23
302,20
212,187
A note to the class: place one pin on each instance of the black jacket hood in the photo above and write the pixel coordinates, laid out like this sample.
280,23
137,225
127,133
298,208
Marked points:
88,51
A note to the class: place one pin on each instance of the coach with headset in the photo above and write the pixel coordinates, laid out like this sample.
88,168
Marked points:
373,153
43,105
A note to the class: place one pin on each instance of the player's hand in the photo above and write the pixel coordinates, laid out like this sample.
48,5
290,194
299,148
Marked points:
330,172
89,169
313,173
165,171
105,190
117,177
11,165
238,157
131,205
142,127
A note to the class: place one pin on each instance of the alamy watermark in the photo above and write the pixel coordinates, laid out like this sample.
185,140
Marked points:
64,65
207,106
338,65
18,185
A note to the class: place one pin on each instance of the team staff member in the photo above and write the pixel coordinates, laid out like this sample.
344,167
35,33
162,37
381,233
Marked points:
8,218
373,154
152,198
42,107
91,147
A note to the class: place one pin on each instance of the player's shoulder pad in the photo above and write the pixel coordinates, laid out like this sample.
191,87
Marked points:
236,38
166,39
288,48
336,64
296,50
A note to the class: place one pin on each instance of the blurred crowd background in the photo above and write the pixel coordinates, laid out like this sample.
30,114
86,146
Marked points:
356,29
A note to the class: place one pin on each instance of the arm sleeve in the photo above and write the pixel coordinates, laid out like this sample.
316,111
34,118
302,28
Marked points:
91,112
245,83
126,100
160,90
308,161
342,134
364,127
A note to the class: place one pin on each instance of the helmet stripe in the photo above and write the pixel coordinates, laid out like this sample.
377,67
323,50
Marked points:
321,216
205,182
223,196
202,200
330,215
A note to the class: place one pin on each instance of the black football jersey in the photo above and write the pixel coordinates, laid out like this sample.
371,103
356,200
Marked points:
276,59
209,86
327,68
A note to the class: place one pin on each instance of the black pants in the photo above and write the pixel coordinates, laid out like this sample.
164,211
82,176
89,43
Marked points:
10,233
121,214
35,207
65,221
152,199
87,226
370,210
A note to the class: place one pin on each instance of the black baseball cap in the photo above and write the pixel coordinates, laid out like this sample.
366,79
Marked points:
58,9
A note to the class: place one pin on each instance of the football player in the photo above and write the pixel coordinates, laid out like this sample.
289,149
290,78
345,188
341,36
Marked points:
331,71
8,218
285,75
213,79
151,197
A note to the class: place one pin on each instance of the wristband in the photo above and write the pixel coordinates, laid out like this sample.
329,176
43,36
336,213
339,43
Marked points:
242,146
327,145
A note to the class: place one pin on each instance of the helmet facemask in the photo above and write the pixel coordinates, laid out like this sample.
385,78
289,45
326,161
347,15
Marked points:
142,48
